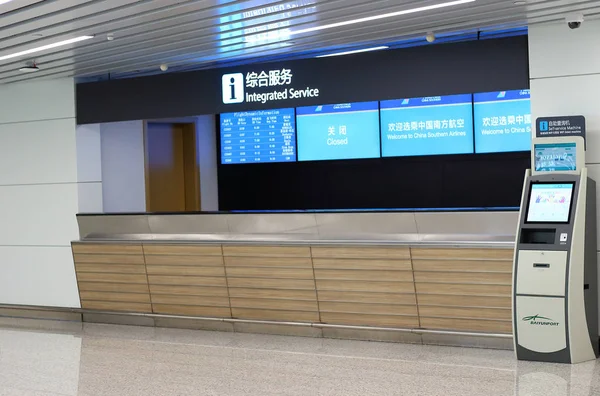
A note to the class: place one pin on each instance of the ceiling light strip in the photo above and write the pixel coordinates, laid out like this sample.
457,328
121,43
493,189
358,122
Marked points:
382,47
45,47
4,1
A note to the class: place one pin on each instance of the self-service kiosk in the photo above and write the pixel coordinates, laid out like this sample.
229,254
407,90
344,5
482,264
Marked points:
555,289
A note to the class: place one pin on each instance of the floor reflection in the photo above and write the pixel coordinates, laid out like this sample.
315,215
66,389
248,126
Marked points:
50,358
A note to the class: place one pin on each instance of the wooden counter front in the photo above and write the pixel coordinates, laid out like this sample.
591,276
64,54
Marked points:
463,289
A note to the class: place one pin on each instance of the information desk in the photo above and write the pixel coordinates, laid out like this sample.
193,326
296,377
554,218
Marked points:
346,270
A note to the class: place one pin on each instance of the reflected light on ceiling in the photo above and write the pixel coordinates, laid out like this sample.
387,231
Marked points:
382,47
45,47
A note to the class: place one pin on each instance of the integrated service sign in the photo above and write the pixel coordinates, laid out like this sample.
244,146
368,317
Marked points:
560,126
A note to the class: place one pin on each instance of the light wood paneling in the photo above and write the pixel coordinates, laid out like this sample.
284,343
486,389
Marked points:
272,273
479,278
373,298
176,260
266,251
116,306
464,253
259,283
192,310
276,304
112,278
469,290
186,281
118,297
361,252
187,270
465,312
188,290
372,309
190,300
276,315
366,286
362,264
272,293
381,275
186,250
83,248
109,259
370,320
294,262
492,326
113,287
113,268
463,265
465,301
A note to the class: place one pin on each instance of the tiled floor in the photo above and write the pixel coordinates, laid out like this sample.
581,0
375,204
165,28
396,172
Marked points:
88,359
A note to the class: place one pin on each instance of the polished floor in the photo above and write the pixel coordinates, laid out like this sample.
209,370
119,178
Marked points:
40,358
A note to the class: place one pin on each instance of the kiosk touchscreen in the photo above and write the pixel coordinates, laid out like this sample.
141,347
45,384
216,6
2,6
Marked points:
555,291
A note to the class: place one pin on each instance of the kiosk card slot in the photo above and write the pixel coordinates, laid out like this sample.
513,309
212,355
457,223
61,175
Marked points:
545,236
541,265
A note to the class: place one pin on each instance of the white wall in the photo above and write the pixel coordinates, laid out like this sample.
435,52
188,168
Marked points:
39,193
564,67
207,161
89,168
123,173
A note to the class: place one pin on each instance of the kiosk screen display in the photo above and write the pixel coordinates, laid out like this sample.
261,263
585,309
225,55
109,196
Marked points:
550,202
339,131
434,125
258,136
555,157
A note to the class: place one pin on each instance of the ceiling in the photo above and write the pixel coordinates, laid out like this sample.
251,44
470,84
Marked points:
195,34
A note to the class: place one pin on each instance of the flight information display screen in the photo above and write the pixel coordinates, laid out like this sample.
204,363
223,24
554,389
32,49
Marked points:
433,125
258,136
550,202
502,121
339,131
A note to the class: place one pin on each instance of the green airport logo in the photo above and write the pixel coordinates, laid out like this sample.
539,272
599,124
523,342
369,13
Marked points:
538,320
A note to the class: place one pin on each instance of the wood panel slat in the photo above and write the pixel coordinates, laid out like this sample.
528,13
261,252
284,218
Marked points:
363,264
365,297
465,312
112,268
277,304
191,310
297,262
478,278
372,309
492,326
260,283
463,265
87,248
265,314
190,300
366,286
111,278
458,253
116,306
367,275
266,251
109,258
186,250
112,296
270,293
370,320
460,289
113,287
185,270
187,280
361,252
209,261
188,290
465,301
272,273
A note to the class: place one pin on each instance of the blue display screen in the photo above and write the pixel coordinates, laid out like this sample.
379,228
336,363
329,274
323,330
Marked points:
502,121
555,157
340,131
427,126
258,136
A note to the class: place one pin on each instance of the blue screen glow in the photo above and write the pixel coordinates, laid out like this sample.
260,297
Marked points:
502,121
427,126
341,131
258,136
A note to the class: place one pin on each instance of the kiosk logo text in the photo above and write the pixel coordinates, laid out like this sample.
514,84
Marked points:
538,320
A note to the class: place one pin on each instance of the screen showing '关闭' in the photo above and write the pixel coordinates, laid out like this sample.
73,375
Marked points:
258,136
433,125
502,121
550,203
340,131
